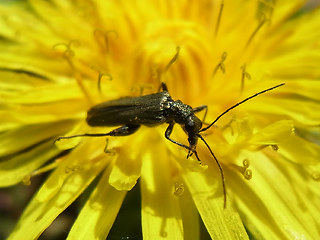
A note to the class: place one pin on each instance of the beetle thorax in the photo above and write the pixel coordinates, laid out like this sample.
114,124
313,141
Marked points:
178,111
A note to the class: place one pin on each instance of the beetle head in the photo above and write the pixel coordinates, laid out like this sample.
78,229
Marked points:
192,127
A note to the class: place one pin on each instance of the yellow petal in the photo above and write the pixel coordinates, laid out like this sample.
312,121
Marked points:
20,166
40,214
308,88
98,214
303,112
126,170
266,195
38,113
88,154
161,216
42,94
190,215
274,133
22,138
221,223
299,150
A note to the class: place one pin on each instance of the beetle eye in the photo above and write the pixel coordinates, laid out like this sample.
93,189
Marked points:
192,124
189,125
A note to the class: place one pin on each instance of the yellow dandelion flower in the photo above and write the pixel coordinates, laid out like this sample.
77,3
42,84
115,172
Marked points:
61,57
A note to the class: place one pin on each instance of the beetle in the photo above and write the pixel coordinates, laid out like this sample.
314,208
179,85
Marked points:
151,110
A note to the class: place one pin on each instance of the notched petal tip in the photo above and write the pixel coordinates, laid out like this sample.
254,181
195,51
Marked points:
273,134
123,183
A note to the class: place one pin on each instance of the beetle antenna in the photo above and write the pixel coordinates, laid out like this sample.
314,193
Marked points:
237,104
221,172
83,135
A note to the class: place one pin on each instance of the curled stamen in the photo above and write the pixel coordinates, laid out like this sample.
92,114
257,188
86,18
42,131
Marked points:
105,36
68,52
275,147
140,88
220,65
219,17
103,76
178,189
245,75
158,73
172,61
261,23
269,6
229,125
111,152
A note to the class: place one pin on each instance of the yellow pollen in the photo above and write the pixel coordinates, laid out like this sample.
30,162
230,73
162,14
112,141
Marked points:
246,163
244,169
178,189
315,176
27,180
72,169
247,174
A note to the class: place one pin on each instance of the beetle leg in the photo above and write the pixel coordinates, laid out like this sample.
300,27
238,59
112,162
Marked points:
121,131
167,135
164,87
124,130
199,109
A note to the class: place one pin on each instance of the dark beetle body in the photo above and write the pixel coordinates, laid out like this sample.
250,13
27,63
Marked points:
146,110
154,109
150,110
